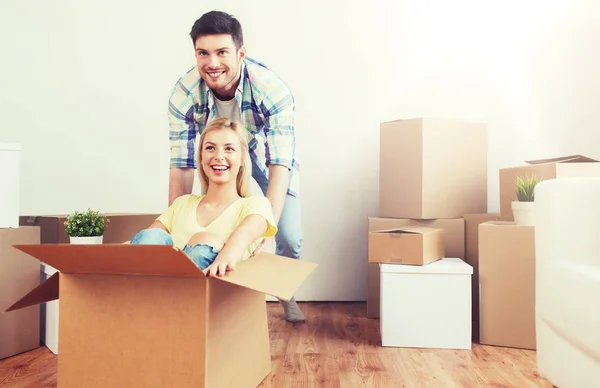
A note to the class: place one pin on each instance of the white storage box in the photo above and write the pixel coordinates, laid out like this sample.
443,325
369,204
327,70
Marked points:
426,306
49,315
10,158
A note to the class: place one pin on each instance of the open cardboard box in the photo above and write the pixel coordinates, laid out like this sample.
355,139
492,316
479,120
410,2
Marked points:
146,316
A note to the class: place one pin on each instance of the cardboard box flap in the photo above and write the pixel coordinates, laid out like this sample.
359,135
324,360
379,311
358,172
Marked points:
411,229
274,275
563,159
45,292
115,259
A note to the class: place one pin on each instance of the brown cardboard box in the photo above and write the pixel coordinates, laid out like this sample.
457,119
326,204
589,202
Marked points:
454,245
121,227
19,273
432,169
146,316
472,222
561,167
408,245
507,285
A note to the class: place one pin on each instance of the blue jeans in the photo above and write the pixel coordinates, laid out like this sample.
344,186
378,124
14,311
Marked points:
289,236
201,254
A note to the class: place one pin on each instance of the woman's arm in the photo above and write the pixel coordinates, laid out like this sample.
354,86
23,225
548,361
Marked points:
252,227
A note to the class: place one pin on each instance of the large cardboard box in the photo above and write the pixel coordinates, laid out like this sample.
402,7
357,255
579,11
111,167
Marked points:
19,273
432,169
472,222
454,246
146,316
409,245
554,168
10,170
507,285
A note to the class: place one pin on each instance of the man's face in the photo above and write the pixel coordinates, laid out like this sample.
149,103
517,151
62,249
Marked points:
219,63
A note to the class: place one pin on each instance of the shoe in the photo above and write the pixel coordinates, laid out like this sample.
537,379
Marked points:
292,311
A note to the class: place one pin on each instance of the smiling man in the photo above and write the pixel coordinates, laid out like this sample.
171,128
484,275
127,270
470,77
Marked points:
227,83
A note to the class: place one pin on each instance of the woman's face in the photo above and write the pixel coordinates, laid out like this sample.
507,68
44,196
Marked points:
221,156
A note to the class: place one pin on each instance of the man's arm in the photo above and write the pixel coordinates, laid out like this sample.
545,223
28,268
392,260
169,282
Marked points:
279,178
182,135
279,145
181,181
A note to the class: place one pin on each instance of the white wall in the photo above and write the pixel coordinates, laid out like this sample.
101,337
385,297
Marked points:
84,88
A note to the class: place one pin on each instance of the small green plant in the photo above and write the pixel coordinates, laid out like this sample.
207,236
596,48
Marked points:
89,223
526,188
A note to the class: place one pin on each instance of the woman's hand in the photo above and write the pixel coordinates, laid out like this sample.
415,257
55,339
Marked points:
220,266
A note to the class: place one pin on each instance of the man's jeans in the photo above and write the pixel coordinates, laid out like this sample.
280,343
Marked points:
201,254
289,236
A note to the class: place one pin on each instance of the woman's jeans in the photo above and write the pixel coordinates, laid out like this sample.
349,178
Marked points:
201,254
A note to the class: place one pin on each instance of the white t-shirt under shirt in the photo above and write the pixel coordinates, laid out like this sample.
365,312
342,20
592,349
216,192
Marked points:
228,109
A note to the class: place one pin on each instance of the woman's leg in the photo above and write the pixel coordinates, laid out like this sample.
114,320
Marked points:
152,236
203,248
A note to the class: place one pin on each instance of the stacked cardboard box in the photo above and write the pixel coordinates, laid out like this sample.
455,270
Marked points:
506,256
19,332
432,172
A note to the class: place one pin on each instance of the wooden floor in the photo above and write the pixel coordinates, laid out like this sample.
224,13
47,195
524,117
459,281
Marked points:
339,347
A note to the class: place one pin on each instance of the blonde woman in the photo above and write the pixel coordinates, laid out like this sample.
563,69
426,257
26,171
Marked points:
226,224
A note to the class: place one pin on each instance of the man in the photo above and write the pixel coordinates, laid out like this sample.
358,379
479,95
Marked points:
225,82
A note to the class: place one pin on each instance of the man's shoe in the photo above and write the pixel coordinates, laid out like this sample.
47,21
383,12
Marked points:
292,311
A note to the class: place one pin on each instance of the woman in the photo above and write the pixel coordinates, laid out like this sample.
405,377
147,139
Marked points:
227,224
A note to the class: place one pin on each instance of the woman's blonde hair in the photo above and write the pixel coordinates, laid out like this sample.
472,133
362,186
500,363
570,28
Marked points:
245,173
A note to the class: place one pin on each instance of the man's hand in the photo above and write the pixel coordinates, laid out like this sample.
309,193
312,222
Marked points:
219,267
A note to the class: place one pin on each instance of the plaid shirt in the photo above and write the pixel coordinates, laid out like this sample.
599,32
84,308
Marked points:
267,112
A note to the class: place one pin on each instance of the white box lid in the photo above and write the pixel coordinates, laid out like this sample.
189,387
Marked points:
448,265
10,146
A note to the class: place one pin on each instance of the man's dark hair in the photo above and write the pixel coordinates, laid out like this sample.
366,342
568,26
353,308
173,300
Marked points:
217,22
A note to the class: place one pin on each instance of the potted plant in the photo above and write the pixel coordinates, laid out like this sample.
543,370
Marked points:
86,227
523,207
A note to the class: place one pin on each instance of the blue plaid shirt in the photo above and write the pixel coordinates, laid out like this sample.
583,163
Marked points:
267,112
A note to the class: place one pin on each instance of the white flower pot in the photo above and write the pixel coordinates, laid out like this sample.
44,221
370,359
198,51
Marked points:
523,213
86,240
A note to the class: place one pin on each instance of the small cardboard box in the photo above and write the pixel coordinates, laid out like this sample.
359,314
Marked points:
431,168
454,245
560,167
146,316
19,273
409,245
472,222
507,284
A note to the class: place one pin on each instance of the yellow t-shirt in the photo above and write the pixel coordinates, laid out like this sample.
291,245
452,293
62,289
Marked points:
181,222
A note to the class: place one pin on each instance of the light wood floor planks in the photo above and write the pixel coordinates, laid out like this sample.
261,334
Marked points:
339,347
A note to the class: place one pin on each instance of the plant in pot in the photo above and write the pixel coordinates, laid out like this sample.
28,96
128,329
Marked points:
523,207
86,227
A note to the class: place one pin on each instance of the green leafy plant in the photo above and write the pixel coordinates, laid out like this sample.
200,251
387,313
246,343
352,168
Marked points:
89,223
526,188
